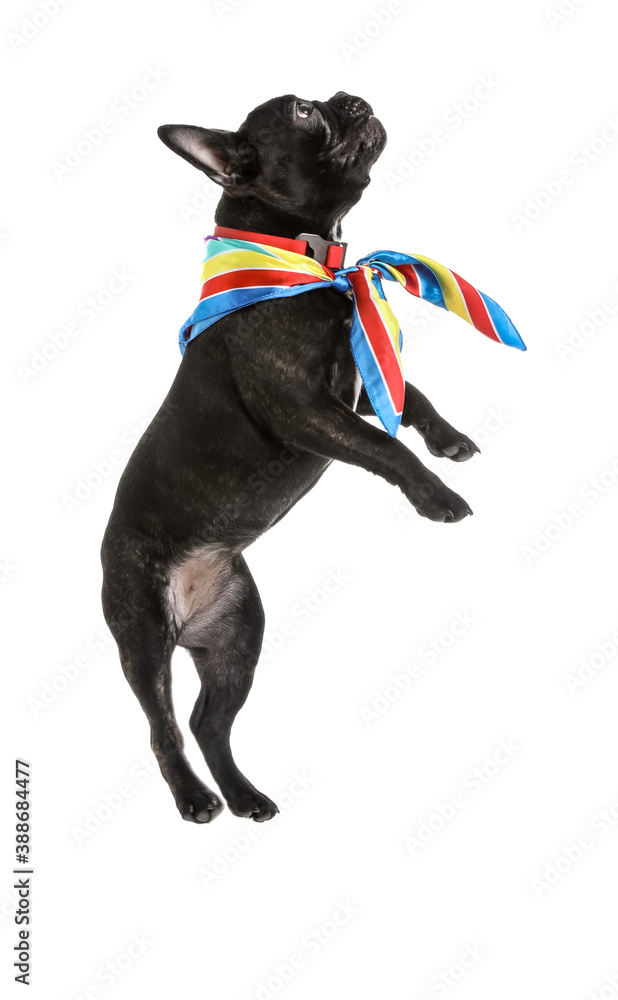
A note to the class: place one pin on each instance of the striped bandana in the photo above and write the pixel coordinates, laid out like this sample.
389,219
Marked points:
238,272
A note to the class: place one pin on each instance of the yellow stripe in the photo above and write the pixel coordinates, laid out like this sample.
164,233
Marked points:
284,261
388,317
298,262
397,275
453,298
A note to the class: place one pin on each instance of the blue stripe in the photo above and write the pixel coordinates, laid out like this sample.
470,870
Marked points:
504,327
429,286
216,246
372,377
209,310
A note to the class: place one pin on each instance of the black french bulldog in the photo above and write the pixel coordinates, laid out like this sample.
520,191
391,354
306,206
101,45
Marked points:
272,382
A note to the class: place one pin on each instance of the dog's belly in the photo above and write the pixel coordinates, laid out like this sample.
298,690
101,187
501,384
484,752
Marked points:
182,497
208,470
201,585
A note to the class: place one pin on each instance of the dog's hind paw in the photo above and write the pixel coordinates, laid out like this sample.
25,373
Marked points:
252,805
199,805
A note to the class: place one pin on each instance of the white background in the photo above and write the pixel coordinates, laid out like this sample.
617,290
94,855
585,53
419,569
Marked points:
218,913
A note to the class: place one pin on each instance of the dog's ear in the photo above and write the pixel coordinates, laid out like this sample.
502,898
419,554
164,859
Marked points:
224,156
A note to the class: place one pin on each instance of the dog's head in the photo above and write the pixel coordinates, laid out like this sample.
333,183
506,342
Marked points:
292,164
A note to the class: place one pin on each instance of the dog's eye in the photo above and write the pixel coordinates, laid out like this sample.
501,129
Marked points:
303,110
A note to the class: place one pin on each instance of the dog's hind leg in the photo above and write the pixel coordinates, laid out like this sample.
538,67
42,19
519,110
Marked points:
223,633
138,614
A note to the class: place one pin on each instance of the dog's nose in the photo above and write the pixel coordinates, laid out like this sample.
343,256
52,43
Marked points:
351,107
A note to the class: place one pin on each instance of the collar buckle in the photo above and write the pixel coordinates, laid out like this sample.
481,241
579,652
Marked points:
322,252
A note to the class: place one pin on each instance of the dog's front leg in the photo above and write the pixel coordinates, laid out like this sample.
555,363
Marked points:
335,431
441,438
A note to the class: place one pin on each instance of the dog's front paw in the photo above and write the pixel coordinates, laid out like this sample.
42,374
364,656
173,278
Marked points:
199,805
436,501
252,804
444,441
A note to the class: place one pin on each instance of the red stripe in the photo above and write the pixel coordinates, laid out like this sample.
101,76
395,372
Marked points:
249,277
476,307
412,284
379,338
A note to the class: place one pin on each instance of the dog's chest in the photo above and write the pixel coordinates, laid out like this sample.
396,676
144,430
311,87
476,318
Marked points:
344,381
341,374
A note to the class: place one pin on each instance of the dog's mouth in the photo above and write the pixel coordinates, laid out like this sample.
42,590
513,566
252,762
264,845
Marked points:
366,141
373,129
355,132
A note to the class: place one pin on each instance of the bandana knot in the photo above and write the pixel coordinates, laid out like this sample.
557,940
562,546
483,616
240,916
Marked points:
239,273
